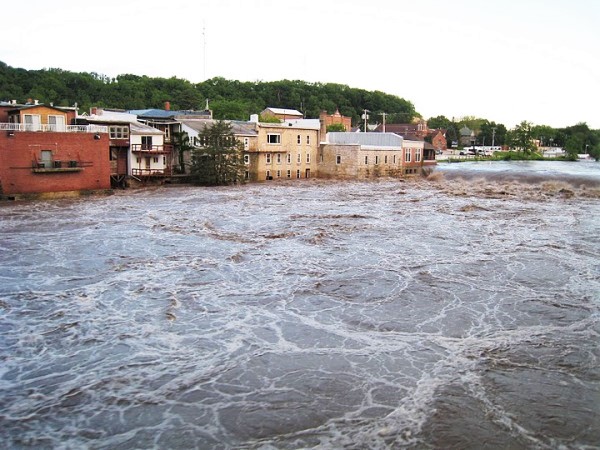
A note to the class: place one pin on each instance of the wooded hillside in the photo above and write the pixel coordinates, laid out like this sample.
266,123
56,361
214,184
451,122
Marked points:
229,99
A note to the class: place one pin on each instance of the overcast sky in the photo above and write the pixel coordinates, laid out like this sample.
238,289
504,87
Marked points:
503,60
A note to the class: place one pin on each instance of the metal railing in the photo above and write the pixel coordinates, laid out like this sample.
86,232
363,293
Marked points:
151,172
146,148
53,128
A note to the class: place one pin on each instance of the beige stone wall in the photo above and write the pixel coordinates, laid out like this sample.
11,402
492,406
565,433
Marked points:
294,156
358,163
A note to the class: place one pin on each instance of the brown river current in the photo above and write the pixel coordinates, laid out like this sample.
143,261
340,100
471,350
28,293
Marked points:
458,312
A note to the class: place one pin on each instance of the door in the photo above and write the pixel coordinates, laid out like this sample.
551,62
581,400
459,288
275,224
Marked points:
147,164
307,173
56,123
32,122
46,159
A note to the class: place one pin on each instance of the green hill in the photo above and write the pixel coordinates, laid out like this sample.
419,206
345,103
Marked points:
229,99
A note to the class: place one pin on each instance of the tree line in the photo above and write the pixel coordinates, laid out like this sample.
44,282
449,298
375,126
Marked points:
237,100
228,99
575,139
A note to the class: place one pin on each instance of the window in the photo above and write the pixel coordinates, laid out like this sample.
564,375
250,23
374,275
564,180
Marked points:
308,140
269,175
394,158
46,159
289,174
155,159
307,158
164,160
289,158
113,154
278,158
366,159
246,143
407,155
138,160
299,140
385,159
246,175
246,159
298,173
279,174
338,159
268,155
33,122
273,138
118,132
376,159
299,159
146,142
418,155
167,133
56,123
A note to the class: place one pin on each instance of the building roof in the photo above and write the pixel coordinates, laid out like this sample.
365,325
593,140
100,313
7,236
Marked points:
366,139
284,111
104,116
166,114
399,128
237,127
140,128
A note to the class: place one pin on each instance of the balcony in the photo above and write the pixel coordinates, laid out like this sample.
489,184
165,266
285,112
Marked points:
151,149
30,127
56,166
151,173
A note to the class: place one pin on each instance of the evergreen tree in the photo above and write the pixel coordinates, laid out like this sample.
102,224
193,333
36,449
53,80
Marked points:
218,160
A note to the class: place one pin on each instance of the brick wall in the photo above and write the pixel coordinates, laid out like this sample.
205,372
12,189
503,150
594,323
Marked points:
19,152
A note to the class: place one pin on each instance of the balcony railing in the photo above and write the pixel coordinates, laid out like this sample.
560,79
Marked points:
53,128
151,172
146,148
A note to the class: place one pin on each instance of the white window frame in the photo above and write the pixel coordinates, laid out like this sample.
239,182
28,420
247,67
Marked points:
289,158
246,159
308,139
268,158
299,159
246,143
307,157
278,158
407,155
418,155
273,139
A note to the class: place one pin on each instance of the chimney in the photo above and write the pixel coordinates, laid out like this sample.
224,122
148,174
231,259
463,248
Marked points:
167,106
322,126
36,102
94,110
29,101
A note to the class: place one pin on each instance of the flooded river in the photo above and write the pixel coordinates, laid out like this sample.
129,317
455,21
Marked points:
459,312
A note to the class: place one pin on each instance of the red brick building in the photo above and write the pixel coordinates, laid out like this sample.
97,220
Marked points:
335,118
41,155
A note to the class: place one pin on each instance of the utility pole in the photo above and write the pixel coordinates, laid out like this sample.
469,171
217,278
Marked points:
365,116
493,135
384,114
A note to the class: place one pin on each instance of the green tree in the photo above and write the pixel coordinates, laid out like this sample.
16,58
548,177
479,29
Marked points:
439,122
219,160
181,142
491,132
336,127
574,146
521,137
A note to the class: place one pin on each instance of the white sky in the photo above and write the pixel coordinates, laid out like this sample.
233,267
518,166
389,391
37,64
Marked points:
502,60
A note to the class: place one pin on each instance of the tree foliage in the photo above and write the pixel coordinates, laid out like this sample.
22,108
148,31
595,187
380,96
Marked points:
521,137
229,99
219,159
